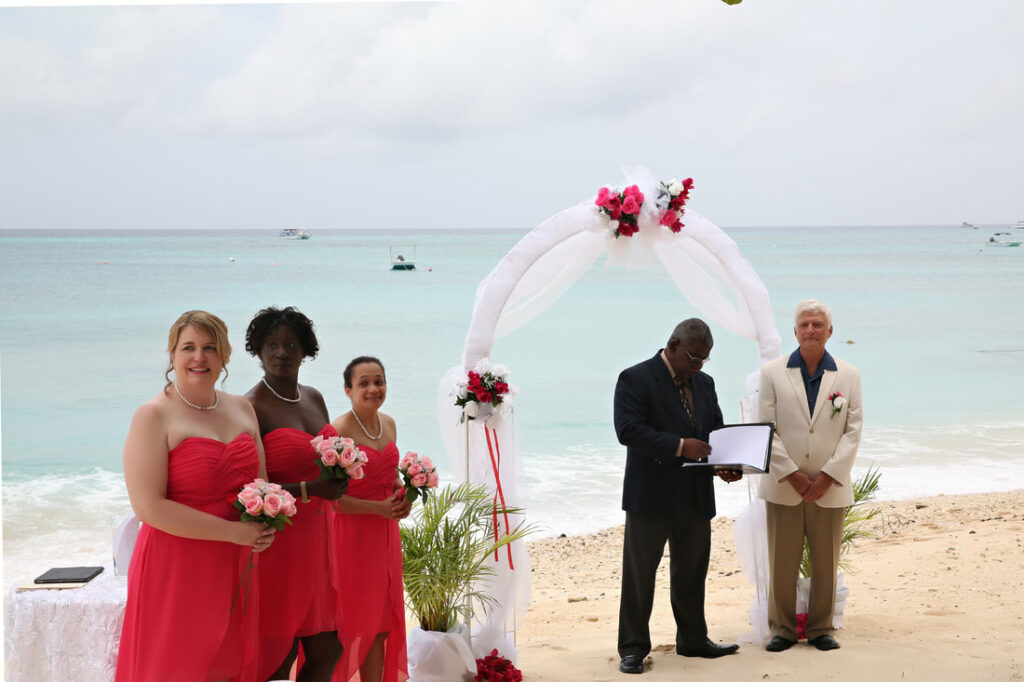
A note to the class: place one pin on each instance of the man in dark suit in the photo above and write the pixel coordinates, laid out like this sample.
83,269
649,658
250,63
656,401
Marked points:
665,409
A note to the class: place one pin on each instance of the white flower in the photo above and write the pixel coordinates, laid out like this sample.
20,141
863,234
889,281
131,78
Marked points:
483,365
838,402
675,187
499,371
614,224
471,409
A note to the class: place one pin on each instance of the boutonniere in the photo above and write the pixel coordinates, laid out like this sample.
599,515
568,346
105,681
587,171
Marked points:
838,401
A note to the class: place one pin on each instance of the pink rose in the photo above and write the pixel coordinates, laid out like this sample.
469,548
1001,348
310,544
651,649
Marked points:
355,471
288,508
253,505
630,206
426,463
257,484
347,443
419,480
348,456
272,504
432,480
316,442
413,469
326,445
329,458
602,197
668,218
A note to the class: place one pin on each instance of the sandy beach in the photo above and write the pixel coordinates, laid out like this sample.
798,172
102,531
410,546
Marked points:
937,594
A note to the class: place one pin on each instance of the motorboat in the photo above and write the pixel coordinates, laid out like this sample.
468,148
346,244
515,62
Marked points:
294,233
1019,225
403,257
1003,239
970,225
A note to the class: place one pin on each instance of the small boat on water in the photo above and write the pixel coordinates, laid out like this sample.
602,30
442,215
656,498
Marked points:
294,233
401,261
1019,225
967,224
1003,239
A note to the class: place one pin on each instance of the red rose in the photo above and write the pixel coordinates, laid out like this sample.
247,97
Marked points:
667,218
630,205
500,387
484,396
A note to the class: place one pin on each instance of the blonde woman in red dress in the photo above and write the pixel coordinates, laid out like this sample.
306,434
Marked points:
189,617
367,557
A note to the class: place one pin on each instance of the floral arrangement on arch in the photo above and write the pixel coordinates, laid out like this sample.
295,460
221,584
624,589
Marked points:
622,209
672,198
484,391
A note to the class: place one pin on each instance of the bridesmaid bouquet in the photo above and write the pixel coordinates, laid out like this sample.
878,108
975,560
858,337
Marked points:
339,457
267,503
419,474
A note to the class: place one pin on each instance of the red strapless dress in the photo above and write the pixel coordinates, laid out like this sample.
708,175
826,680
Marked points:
366,565
179,624
296,595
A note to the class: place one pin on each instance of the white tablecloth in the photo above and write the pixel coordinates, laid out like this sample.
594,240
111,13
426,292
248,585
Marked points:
67,635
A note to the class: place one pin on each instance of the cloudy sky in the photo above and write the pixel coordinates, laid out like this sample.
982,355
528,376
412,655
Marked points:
499,114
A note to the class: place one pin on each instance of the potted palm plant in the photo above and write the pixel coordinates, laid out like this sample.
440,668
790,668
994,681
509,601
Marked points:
445,548
857,515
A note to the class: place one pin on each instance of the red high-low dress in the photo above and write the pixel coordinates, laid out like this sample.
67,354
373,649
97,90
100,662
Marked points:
179,623
366,565
296,596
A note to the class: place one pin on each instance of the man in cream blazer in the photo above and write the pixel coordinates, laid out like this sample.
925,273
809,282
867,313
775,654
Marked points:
815,402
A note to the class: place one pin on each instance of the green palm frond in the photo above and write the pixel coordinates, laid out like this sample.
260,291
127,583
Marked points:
444,552
864,490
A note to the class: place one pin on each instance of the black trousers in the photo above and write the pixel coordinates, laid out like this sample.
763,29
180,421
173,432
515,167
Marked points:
689,543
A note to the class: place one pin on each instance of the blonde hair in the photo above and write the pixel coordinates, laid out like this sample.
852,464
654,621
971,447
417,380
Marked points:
812,306
203,321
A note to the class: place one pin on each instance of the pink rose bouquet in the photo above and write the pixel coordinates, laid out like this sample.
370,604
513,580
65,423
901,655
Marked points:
267,503
419,474
622,208
263,502
338,457
672,197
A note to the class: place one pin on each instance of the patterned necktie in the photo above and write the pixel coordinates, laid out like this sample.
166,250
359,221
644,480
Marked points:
681,385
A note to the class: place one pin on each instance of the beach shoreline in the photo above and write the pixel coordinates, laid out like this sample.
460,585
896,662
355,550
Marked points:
937,593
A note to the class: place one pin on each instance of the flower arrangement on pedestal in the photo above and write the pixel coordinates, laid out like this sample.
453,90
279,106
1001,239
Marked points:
484,390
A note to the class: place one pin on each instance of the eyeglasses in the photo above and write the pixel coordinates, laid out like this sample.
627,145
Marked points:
696,359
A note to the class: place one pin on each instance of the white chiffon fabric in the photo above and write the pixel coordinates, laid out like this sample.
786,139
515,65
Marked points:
70,634
703,262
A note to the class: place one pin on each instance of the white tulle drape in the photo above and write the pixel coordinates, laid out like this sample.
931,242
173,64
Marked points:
703,262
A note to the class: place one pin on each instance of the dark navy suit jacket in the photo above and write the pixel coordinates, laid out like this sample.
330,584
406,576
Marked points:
649,420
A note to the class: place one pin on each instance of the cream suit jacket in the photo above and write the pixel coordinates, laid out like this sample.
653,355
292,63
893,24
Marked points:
813,443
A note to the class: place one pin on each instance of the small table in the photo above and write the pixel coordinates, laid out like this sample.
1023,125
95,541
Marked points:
67,634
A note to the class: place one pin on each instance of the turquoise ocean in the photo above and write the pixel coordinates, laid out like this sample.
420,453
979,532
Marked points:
933,317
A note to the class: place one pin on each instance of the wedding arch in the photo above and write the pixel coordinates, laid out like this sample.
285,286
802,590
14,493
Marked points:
704,263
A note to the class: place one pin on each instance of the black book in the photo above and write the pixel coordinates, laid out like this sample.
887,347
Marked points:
74,574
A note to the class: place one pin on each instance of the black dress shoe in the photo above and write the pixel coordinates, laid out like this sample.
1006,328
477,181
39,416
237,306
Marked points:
708,649
825,643
634,665
779,644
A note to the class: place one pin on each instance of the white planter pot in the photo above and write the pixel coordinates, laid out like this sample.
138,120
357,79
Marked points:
440,656
803,592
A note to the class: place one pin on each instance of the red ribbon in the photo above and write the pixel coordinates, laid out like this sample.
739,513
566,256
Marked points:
495,452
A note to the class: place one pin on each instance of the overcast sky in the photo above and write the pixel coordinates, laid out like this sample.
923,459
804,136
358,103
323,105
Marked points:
500,114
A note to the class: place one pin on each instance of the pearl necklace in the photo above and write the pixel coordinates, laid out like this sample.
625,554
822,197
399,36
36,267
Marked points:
379,426
203,408
281,397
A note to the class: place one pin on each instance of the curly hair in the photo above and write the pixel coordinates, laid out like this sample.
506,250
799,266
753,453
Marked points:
268,319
